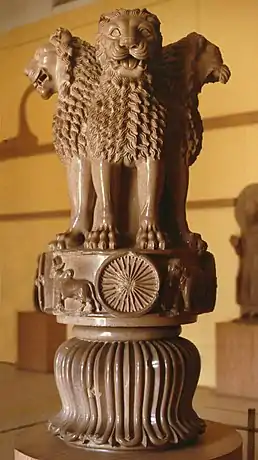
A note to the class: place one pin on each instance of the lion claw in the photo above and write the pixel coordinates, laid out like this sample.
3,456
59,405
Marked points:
195,242
103,238
149,237
67,240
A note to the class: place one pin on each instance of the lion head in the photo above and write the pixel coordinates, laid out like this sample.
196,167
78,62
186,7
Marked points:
207,62
66,65
41,71
50,67
128,41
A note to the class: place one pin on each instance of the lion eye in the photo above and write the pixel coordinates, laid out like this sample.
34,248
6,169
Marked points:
145,32
115,33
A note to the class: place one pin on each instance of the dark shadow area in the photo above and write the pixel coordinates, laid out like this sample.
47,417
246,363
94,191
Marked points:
25,144
231,120
60,2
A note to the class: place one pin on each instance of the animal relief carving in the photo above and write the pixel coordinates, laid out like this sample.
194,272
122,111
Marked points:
68,287
39,284
190,287
180,286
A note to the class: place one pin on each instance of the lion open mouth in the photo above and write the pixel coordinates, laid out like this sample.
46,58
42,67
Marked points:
40,79
131,63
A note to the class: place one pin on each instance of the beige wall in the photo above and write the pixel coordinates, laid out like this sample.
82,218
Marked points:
16,13
229,160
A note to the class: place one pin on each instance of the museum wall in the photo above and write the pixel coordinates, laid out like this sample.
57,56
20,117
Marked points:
32,181
16,13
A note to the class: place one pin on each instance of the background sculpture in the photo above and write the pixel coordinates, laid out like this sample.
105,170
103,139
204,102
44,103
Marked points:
128,272
246,248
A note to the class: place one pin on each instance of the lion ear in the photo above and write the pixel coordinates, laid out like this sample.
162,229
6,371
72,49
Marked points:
207,62
61,36
104,18
151,17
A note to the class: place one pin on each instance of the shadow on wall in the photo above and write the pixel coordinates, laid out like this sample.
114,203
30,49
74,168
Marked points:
25,143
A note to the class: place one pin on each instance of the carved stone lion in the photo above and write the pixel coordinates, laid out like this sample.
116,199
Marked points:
128,102
67,66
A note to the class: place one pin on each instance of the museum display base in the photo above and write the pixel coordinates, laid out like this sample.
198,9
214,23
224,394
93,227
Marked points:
39,336
219,442
237,360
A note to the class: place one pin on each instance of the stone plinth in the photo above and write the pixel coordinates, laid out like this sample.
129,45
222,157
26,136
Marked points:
219,442
237,359
126,379
39,336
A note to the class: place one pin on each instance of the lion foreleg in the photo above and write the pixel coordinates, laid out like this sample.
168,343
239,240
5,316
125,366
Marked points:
81,194
150,176
103,233
179,183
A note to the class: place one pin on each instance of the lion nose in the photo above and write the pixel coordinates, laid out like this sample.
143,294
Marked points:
128,42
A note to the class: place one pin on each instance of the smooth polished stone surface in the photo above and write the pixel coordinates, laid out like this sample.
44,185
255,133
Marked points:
219,442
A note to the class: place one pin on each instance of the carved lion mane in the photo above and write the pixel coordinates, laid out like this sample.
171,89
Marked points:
76,92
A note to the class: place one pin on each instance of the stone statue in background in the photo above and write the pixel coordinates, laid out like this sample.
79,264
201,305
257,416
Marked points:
246,247
127,102
128,272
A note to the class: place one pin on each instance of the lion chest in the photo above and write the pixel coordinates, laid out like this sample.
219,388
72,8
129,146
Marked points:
125,124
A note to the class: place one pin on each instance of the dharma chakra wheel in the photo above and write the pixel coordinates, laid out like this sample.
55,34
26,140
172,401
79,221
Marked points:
128,284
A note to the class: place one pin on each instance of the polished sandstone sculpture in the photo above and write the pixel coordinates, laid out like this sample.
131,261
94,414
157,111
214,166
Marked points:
129,272
132,102
246,247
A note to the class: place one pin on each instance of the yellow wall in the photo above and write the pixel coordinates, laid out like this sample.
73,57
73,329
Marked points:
36,183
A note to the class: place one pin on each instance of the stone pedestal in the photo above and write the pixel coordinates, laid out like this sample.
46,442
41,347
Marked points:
237,359
126,379
219,442
120,394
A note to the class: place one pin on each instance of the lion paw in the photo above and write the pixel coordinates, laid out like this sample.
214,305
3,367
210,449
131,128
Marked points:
67,240
105,237
195,242
149,237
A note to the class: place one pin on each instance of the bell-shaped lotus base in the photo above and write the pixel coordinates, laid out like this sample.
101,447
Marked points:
124,394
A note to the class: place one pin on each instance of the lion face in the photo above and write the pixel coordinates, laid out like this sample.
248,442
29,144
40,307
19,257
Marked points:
127,41
42,71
